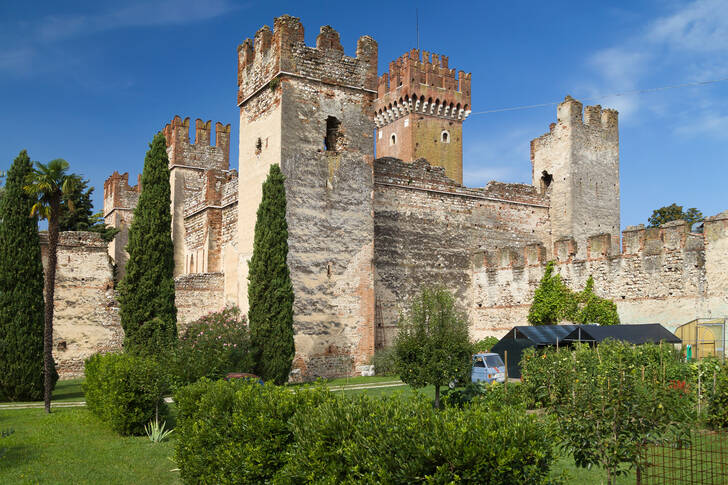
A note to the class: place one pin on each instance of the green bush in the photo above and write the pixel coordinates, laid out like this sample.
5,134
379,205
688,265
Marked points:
494,395
484,345
238,431
717,414
125,390
211,347
402,440
244,432
385,362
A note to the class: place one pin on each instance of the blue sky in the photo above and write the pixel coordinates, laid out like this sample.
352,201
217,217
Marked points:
92,82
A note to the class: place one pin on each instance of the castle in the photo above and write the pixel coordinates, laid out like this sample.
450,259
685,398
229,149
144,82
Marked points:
376,209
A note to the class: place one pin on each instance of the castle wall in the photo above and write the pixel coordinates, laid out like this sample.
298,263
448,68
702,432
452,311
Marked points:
196,295
120,200
662,276
581,155
287,93
86,316
427,227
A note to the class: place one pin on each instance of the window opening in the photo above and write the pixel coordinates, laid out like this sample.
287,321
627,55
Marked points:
546,179
332,134
445,138
258,146
393,140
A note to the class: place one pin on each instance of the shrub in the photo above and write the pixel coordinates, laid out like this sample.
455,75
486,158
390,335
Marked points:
125,391
238,431
494,395
432,345
484,345
211,347
717,415
401,440
385,362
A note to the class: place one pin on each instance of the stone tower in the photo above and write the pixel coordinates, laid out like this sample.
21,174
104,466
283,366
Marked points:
190,165
310,110
420,110
577,165
120,200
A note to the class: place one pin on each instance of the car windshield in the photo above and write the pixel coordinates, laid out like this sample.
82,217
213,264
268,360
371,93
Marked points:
493,361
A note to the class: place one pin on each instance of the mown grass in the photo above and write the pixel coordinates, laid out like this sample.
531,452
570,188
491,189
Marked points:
70,445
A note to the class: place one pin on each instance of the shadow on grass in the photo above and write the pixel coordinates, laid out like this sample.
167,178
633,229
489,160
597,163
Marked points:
14,456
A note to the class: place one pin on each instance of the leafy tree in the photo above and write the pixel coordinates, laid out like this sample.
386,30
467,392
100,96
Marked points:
270,292
21,290
49,183
433,346
82,218
594,309
552,301
674,212
146,294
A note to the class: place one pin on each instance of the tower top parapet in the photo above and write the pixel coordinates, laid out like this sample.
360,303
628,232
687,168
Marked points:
182,152
421,82
283,52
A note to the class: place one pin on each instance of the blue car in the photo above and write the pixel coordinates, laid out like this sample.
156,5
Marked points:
488,367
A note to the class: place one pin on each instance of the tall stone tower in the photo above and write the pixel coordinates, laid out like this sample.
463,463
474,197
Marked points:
577,164
310,110
420,109
120,200
190,164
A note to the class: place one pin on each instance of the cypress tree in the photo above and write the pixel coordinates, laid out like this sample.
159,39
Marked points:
21,290
270,293
146,294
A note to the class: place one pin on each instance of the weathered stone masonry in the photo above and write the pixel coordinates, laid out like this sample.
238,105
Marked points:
365,235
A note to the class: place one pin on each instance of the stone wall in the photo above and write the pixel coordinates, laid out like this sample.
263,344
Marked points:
663,275
197,295
309,109
577,163
427,228
86,315
120,200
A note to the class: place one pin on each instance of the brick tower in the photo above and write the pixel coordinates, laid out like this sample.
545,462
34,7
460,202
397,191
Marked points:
420,111
310,110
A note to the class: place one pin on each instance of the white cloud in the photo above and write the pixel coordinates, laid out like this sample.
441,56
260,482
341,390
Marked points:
687,44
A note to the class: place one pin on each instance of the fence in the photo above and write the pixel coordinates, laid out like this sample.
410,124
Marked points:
701,460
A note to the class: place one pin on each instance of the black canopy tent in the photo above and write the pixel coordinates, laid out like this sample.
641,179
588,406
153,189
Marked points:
523,337
638,334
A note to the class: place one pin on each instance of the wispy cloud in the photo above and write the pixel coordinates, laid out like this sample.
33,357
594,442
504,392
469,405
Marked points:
25,54
689,43
504,157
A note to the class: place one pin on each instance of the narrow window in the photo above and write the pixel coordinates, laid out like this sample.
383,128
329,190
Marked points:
393,140
445,137
546,179
258,146
332,134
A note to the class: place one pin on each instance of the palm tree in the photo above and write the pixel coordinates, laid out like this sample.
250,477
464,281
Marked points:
50,183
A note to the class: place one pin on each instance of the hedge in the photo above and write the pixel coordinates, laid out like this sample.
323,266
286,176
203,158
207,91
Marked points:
125,391
242,432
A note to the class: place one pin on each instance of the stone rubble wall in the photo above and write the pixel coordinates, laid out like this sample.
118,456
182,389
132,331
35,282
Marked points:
426,228
196,295
86,314
663,275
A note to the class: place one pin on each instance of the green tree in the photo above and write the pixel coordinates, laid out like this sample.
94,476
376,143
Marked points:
270,292
552,300
146,294
674,212
48,183
21,290
433,346
82,218
594,309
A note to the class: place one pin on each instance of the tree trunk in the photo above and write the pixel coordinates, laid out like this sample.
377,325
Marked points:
50,287
437,396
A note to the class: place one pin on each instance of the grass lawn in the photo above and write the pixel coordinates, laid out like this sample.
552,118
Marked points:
72,446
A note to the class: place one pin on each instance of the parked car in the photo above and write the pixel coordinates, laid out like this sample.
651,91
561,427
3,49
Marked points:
488,367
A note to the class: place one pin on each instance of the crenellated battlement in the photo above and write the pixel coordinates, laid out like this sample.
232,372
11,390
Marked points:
283,52
200,153
572,114
118,194
637,241
420,82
